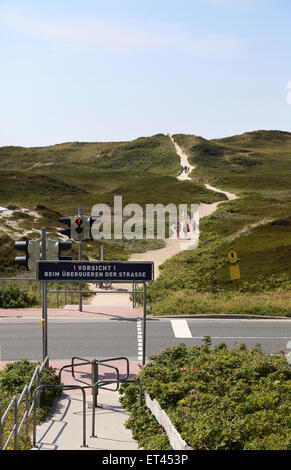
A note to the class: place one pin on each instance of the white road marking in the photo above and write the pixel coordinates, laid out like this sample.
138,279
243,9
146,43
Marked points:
181,329
139,339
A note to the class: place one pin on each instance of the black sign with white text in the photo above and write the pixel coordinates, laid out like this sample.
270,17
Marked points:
95,271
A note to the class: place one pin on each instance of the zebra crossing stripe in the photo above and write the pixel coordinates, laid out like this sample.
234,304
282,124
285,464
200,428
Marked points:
181,329
139,339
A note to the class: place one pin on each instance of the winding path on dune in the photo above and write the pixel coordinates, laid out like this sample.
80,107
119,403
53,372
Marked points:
172,246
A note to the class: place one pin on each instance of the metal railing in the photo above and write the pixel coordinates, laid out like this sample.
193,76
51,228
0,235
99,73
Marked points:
70,292
29,408
136,295
62,387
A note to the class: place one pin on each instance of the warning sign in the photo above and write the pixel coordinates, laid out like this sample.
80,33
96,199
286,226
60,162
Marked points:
95,271
234,272
232,256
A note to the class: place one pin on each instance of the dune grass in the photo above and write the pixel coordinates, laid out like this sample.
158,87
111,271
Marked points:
257,167
54,181
187,302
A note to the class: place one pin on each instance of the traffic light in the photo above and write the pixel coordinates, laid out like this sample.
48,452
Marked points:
32,250
94,231
83,227
54,249
62,247
87,228
66,231
22,260
79,227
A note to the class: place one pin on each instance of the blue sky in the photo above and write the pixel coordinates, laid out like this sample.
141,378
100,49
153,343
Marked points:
103,70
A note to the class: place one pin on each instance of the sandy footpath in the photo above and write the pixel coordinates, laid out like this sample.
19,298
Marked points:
184,162
172,247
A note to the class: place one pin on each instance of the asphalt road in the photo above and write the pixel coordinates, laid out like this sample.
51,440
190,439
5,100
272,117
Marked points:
106,338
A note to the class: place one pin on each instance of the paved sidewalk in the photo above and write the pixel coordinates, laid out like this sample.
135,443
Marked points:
71,311
63,429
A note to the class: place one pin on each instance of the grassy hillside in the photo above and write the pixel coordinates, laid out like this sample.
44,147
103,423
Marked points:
66,176
259,161
257,167
54,181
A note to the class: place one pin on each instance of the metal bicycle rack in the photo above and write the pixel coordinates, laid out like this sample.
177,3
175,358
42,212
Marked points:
97,383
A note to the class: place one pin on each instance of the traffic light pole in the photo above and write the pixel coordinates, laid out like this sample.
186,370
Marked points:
101,253
80,259
44,300
144,337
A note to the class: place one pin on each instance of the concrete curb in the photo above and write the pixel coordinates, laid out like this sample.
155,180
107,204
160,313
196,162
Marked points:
150,317
163,419
222,317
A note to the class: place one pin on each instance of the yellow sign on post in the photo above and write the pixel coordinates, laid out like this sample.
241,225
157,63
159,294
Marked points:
234,272
232,256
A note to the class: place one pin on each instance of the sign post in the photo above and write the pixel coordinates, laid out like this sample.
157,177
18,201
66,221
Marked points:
80,259
144,340
44,298
234,270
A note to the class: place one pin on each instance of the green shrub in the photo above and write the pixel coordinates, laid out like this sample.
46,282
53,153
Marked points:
7,254
267,283
15,297
146,430
267,310
13,379
220,398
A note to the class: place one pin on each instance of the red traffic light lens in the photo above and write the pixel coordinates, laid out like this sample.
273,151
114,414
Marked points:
79,223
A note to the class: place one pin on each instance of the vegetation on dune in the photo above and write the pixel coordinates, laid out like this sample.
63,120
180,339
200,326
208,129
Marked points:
218,399
152,154
13,379
189,302
142,171
7,254
16,296
54,181
255,161
257,226
264,260
255,165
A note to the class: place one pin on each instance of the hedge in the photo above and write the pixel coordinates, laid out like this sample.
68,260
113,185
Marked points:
217,398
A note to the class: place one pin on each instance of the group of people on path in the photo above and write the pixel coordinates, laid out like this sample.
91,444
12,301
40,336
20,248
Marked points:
186,170
188,227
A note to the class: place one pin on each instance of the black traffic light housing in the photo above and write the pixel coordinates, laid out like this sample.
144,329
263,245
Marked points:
79,227
62,247
22,260
66,231
32,250
54,249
